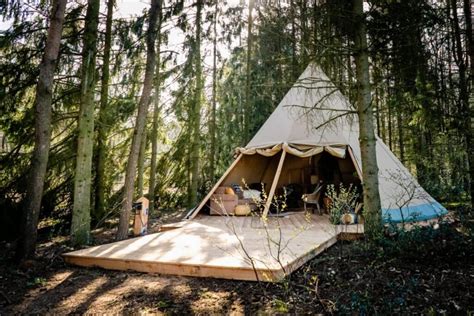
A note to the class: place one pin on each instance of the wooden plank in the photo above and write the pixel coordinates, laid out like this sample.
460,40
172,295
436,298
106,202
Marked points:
207,247
172,226
298,262
208,196
274,184
267,275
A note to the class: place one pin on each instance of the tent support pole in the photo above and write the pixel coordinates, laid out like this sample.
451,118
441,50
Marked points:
208,196
274,184
359,172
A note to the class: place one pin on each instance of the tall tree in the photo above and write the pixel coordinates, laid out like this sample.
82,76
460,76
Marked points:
246,133
44,95
155,11
141,164
372,209
81,217
213,125
104,118
467,8
154,128
195,121
464,106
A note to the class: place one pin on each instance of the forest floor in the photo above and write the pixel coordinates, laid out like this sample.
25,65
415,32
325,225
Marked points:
425,271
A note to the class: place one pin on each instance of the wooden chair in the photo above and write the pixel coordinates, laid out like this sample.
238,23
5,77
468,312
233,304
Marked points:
313,198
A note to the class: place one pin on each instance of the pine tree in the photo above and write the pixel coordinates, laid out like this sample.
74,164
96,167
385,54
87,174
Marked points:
104,118
248,103
80,225
195,120
155,11
155,122
213,123
44,94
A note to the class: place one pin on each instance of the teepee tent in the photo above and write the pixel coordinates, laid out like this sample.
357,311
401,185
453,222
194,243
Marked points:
315,118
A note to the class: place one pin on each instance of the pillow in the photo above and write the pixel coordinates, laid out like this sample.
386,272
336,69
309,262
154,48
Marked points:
229,191
252,194
242,210
238,190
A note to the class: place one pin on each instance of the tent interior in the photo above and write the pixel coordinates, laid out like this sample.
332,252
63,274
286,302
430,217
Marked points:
298,176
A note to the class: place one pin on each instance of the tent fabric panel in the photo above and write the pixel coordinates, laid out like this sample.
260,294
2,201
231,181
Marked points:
400,190
421,212
302,151
348,171
251,169
264,151
269,174
397,187
194,212
312,101
294,170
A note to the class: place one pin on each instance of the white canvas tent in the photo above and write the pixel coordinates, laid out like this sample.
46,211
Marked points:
312,118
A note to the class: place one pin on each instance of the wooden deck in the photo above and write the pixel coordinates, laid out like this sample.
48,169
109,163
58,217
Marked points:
241,248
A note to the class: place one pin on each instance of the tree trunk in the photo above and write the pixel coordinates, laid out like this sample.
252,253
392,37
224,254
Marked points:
141,163
470,95
304,32
246,113
212,127
401,137
389,119
104,119
44,94
294,60
80,225
131,170
467,8
372,208
154,129
196,110
465,111
315,19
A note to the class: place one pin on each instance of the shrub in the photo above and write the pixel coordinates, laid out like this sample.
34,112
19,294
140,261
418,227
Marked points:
343,201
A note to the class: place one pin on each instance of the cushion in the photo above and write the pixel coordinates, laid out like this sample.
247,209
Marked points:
229,191
242,210
253,195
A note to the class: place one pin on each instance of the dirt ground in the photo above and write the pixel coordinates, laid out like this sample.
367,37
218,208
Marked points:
437,278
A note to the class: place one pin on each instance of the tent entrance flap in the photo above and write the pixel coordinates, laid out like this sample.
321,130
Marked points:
356,164
278,171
